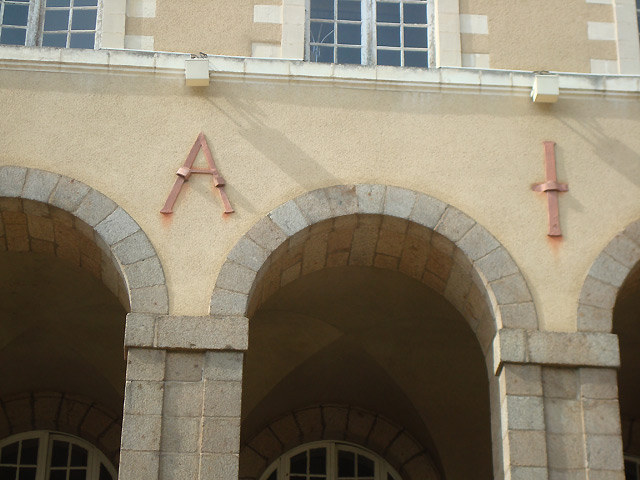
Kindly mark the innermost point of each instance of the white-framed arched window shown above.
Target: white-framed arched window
(45, 455)
(631, 467)
(330, 460)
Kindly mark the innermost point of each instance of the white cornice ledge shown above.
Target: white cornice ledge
(164, 64)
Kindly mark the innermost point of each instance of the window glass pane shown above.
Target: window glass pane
(273, 476)
(8, 473)
(105, 475)
(294, 477)
(346, 464)
(15, 15)
(415, 13)
(321, 54)
(388, 36)
(82, 40)
(58, 475)
(29, 454)
(322, 9)
(27, 474)
(349, 55)
(298, 464)
(318, 461)
(321, 32)
(10, 452)
(57, 3)
(388, 12)
(85, 3)
(415, 37)
(13, 36)
(54, 40)
(416, 59)
(56, 20)
(365, 467)
(630, 472)
(83, 20)
(59, 454)
(78, 475)
(348, 34)
(78, 456)
(349, 10)
(388, 57)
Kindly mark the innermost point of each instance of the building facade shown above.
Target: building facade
(403, 246)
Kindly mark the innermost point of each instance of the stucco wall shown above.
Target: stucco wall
(212, 27)
(567, 36)
(126, 137)
(539, 35)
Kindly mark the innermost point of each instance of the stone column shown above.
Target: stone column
(583, 423)
(524, 443)
(182, 398)
(560, 417)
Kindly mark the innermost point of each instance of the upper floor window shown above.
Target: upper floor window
(49, 23)
(371, 32)
(43, 455)
(638, 12)
(330, 461)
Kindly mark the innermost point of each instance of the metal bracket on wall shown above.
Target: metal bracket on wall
(187, 169)
(551, 187)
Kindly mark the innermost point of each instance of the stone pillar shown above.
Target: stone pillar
(524, 443)
(221, 416)
(559, 408)
(182, 397)
(142, 414)
(583, 423)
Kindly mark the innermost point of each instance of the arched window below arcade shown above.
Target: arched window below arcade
(44, 455)
(330, 461)
(631, 468)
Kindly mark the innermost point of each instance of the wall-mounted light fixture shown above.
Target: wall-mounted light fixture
(196, 70)
(546, 88)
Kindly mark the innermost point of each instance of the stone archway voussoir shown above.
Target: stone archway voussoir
(484, 254)
(124, 238)
(267, 235)
(12, 181)
(39, 185)
(289, 218)
(454, 224)
(605, 278)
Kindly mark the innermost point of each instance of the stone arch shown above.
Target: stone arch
(340, 423)
(605, 278)
(62, 412)
(483, 282)
(113, 230)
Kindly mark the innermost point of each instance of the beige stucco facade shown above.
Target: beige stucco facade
(386, 278)
(275, 131)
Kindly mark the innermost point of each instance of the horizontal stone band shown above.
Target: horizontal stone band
(579, 349)
(186, 333)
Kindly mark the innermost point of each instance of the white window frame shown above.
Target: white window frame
(282, 464)
(45, 445)
(35, 24)
(635, 461)
(368, 40)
